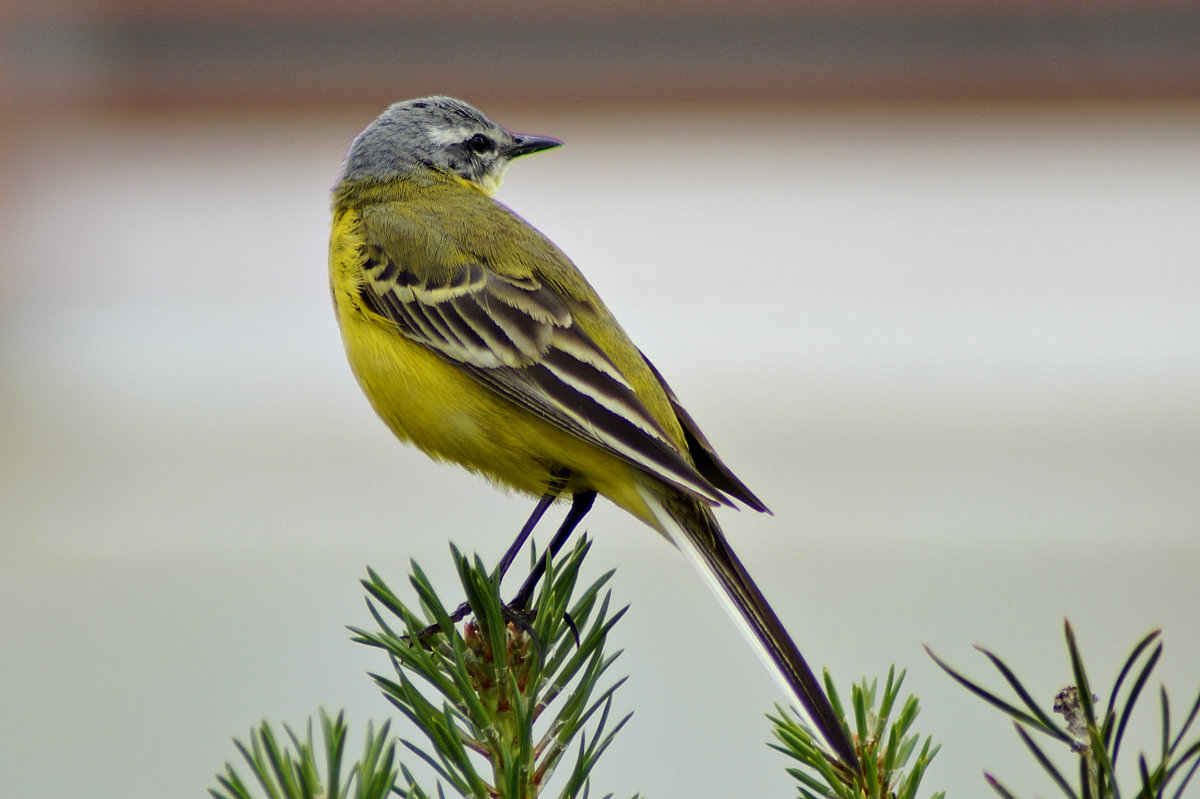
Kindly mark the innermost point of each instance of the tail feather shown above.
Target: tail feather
(694, 529)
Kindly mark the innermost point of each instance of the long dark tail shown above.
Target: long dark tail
(694, 529)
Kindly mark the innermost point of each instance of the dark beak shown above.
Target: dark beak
(523, 145)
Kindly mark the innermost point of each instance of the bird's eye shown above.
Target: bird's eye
(479, 144)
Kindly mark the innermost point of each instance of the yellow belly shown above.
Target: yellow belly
(441, 409)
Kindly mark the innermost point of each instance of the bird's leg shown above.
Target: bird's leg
(558, 481)
(518, 611)
(581, 503)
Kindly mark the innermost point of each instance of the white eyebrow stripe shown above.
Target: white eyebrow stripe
(444, 136)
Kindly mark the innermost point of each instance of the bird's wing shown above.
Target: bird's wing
(518, 337)
(704, 456)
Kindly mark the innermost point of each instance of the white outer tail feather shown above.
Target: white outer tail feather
(684, 542)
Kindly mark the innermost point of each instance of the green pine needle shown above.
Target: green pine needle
(1093, 739)
(291, 771)
(884, 745)
(502, 699)
(514, 691)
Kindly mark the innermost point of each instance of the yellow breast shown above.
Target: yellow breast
(442, 410)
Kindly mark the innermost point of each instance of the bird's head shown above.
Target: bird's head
(438, 133)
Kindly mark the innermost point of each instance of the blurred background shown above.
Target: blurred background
(926, 272)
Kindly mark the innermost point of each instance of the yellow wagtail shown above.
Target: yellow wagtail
(477, 340)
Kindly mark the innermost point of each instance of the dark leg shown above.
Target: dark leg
(557, 482)
(581, 503)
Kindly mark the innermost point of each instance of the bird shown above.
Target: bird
(476, 339)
